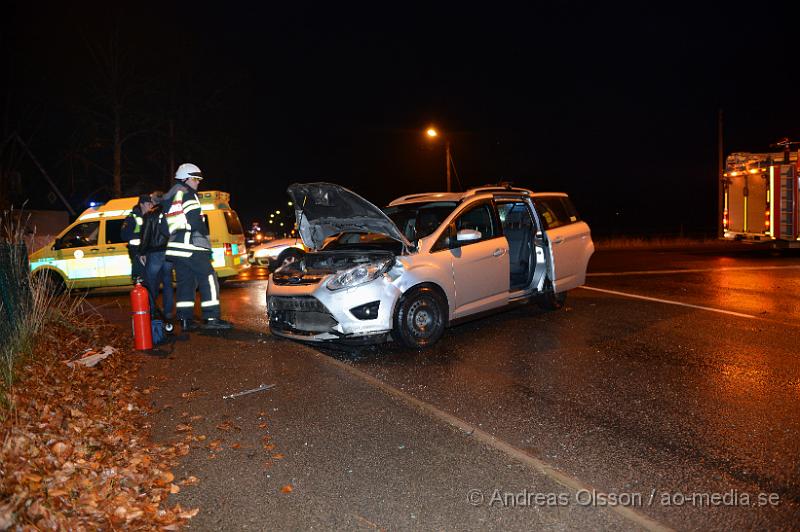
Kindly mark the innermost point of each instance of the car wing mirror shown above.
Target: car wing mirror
(468, 235)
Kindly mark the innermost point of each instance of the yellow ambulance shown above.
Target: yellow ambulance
(90, 253)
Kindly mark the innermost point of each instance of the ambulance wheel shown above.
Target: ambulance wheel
(51, 280)
(288, 256)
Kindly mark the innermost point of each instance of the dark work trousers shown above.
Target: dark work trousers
(157, 271)
(137, 269)
(192, 273)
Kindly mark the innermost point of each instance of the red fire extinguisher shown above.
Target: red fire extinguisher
(140, 316)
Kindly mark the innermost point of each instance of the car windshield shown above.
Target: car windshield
(418, 220)
(362, 241)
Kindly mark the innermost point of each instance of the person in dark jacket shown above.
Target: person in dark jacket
(157, 270)
(131, 233)
(189, 249)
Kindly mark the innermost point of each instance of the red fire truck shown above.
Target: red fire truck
(760, 198)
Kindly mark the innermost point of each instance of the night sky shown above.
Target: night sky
(615, 104)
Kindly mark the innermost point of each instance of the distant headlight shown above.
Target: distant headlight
(358, 275)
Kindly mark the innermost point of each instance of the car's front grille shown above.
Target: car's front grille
(299, 314)
(296, 278)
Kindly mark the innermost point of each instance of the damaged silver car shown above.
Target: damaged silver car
(425, 262)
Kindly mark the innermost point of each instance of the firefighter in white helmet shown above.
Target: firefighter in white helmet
(189, 249)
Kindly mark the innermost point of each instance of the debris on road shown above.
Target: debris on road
(90, 357)
(246, 392)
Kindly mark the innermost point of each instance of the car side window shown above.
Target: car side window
(114, 231)
(81, 235)
(479, 218)
(552, 212)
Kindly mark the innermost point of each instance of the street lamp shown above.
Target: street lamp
(432, 133)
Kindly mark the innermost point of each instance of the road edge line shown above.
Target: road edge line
(692, 270)
(496, 443)
(670, 302)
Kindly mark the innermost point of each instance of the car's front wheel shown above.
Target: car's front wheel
(420, 318)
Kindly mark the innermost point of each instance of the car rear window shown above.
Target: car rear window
(555, 211)
(232, 221)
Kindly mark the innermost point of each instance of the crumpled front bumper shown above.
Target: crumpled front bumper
(314, 313)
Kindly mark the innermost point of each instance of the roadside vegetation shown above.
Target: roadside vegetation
(655, 242)
(75, 452)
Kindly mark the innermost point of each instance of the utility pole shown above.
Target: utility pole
(447, 163)
(720, 175)
(171, 153)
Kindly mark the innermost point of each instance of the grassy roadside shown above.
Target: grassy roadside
(75, 451)
(668, 242)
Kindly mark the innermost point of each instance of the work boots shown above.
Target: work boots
(217, 324)
(189, 325)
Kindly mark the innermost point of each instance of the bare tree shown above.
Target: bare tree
(117, 89)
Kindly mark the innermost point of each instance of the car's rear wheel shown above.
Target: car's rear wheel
(288, 256)
(420, 318)
(552, 301)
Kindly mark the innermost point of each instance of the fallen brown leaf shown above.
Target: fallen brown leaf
(287, 488)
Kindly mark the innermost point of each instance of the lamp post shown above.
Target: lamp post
(448, 160)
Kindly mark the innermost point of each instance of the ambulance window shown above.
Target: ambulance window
(114, 231)
(232, 221)
(81, 235)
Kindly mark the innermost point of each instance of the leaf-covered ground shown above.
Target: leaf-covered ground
(75, 451)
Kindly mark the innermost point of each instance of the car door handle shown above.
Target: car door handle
(498, 252)
(558, 240)
(95, 249)
(110, 249)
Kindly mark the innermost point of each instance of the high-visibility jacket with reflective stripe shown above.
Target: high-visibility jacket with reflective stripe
(132, 229)
(187, 231)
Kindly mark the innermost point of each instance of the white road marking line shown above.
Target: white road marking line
(670, 302)
(692, 270)
(496, 443)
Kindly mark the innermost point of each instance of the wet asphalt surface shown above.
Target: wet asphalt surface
(689, 417)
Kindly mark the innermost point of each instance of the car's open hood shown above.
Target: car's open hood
(325, 209)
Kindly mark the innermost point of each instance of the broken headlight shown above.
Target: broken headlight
(358, 275)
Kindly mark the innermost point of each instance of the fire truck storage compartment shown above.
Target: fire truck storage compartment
(755, 187)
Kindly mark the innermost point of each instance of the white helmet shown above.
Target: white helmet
(188, 171)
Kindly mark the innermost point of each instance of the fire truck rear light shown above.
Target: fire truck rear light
(228, 250)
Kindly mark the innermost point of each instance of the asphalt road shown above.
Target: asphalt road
(669, 386)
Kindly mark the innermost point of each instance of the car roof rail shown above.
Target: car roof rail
(503, 186)
(413, 196)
